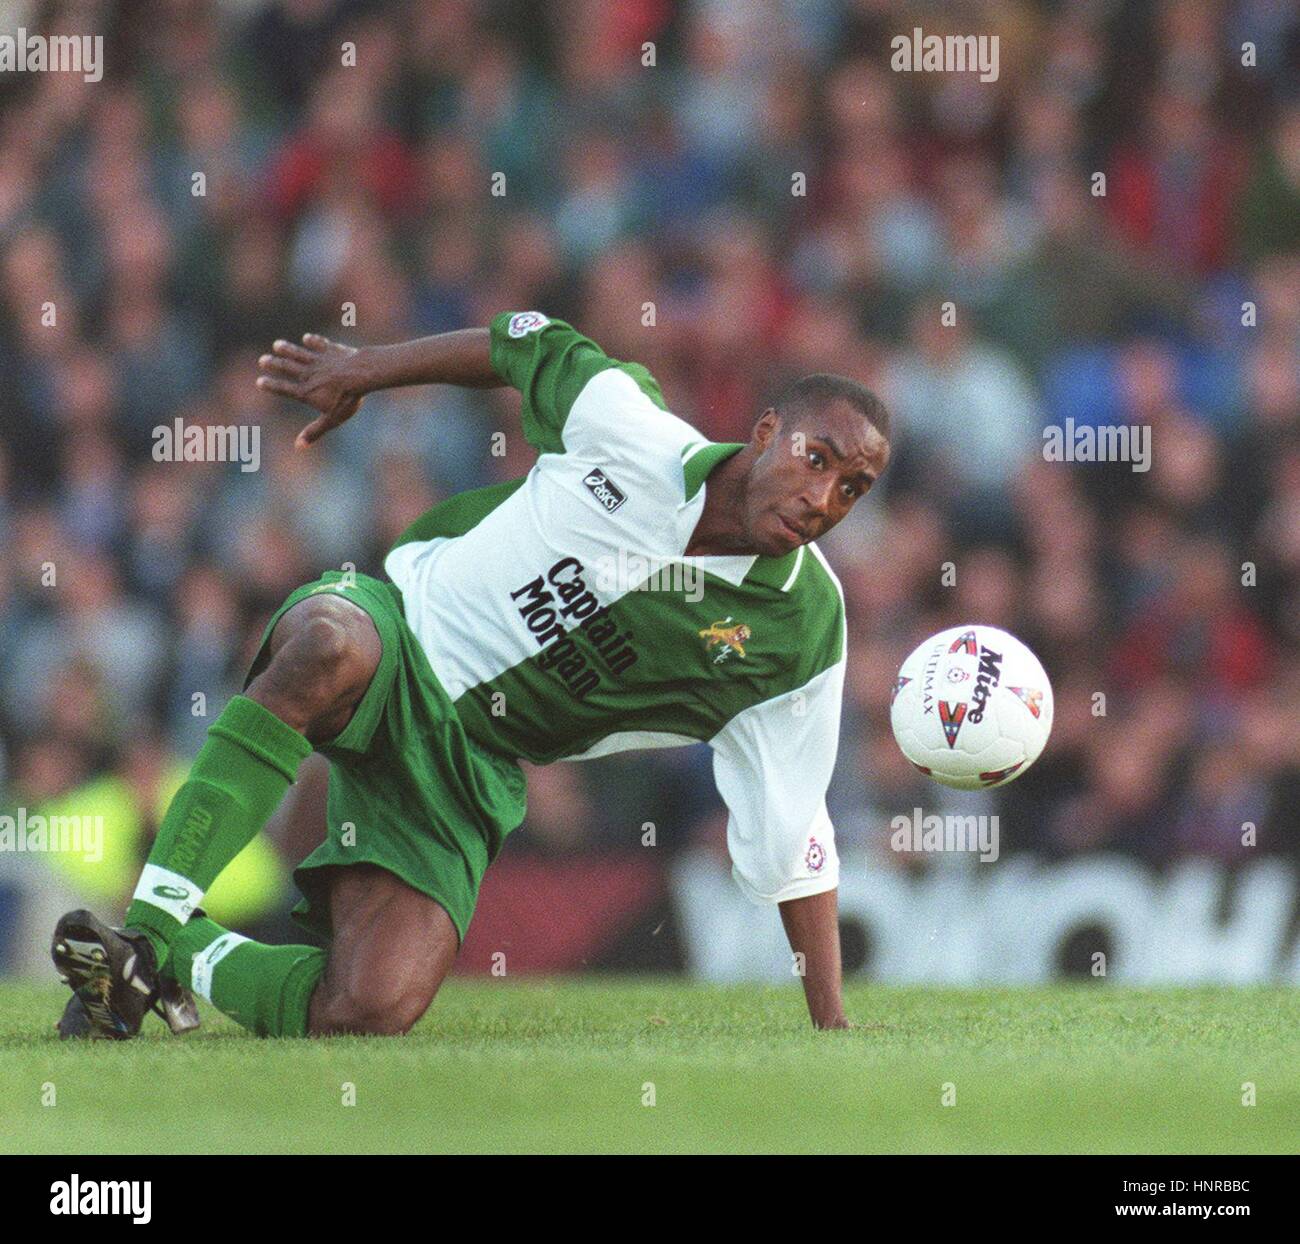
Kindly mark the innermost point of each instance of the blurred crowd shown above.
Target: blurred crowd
(734, 194)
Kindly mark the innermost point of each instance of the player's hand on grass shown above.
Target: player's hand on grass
(833, 1022)
(321, 374)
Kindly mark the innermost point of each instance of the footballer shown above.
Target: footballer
(495, 640)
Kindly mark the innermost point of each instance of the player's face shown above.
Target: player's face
(809, 475)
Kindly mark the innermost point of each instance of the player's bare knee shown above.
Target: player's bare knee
(326, 651)
(399, 1016)
(332, 652)
(373, 1012)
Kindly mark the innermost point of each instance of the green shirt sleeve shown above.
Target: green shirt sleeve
(550, 363)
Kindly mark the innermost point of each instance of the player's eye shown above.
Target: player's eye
(816, 458)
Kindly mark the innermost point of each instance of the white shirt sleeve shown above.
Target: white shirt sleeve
(772, 764)
(613, 422)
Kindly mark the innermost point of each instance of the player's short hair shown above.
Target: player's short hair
(814, 392)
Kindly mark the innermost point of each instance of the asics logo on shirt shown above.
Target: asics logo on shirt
(603, 489)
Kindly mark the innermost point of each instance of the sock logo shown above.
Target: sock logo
(191, 839)
(171, 891)
(205, 962)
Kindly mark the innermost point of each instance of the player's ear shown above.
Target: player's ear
(765, 430)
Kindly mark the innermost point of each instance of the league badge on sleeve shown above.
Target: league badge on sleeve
(525, 322)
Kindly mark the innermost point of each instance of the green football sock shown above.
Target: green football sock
(239, 777)
(267, 989)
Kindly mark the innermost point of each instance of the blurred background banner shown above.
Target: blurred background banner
(1105, 235)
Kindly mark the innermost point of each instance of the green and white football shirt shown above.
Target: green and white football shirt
(547, 610)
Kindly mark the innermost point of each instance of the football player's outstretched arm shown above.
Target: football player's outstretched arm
(334, 379)
(772, 763)
(813, 927)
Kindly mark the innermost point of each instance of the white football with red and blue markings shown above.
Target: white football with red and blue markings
(972, 707)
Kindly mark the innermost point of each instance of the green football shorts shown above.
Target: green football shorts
(408, 789)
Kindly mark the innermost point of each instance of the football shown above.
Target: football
(972, 707)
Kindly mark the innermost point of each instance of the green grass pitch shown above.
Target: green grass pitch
(536, 1066)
